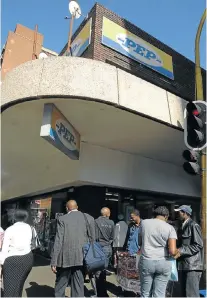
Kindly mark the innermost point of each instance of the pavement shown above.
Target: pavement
(41, 280)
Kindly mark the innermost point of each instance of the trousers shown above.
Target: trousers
(154, 276)
(72, 276)
(100, 276)
(189, 281)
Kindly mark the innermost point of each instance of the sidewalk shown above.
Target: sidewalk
(41, 280)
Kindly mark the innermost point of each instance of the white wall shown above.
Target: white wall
(113, 168)
(100, 81)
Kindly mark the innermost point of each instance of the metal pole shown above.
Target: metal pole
(70, 33)
(34, 54)
(199, 96)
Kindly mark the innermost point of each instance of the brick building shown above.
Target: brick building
(182, 85)
(19, 48)
(123, 93)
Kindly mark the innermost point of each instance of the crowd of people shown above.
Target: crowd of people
(154, 240)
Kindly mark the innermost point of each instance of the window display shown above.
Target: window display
(40, 212)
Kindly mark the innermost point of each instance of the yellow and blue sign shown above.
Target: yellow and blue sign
(132, 46)
(57, 130)
(82, 41)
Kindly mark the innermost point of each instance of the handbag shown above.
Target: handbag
(93, 255)
(174, 271)
(35, 242)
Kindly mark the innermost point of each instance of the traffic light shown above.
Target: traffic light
(191, 166)
(195, 125)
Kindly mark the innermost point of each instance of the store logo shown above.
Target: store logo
(137, 48)
(76, 47)
(66, 134)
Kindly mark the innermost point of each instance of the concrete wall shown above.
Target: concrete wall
(92, 80)
(118, 169)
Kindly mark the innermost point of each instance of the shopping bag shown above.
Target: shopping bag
(174, 271)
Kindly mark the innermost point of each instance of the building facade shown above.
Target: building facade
(102, 124)
(20, 47)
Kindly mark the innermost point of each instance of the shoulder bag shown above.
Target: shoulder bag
(94, 257)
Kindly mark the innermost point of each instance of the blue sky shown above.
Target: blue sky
(174, 22)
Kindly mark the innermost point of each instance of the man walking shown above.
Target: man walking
(190, 253)
(104, 228)
(67, 256)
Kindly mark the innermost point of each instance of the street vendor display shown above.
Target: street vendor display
(127, 262)
(127, 272)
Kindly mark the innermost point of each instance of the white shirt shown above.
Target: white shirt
(72, 211)
(185, 222)
(17, 241)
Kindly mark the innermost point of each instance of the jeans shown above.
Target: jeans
(154, 276)
(190, 281)
(100, 276)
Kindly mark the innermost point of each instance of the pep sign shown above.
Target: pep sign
(130, 45)
(82, 41)
(59, 132)
(139, 49)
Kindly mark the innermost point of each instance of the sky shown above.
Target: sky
(173, 22)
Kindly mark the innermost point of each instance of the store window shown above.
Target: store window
(7, 214)
(40, 210)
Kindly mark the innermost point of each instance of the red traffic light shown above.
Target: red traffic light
(193, 109)
(195, 125)
(195, 112)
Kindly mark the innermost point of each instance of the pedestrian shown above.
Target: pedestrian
(190, 253)
(16, 255)
(132, 244)
(104, 228)
(67, 255)
(158, 243)
(120, 232)
(1, 243)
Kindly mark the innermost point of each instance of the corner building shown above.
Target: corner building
(102, 125)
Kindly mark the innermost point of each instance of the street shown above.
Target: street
(40, 282)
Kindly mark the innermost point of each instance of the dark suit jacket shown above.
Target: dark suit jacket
(70, 237)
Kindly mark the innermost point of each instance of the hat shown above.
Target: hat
(120, 217)
(184, 208)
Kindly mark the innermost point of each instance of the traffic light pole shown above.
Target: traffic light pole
(200, 97)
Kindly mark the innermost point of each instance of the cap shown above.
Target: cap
(184, 208)
(120, 217)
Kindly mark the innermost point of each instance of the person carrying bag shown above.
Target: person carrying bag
(94, 257)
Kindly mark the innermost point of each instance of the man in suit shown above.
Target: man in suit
(67, 256)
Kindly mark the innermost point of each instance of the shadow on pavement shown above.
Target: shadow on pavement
(112, 288)
(88, 293)
(117, 291)
(39, 290)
